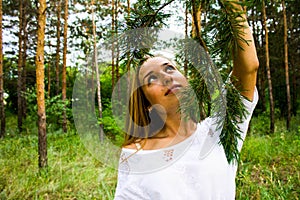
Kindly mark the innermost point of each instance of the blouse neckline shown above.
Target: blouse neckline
(184, 142)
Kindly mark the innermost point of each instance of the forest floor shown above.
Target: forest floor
(269, 167)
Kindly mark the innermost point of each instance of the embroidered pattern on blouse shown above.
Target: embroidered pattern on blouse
(210, 133)
(124, 166)
(168, 155)
(193, 181)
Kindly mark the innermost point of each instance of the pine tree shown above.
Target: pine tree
(20, 65)
(39, 61)
(2, 109)
(64, 68)
(57, 57)
(286, 66)
(95, 66)
(270, 87)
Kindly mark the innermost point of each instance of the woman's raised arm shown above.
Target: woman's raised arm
(245, 61)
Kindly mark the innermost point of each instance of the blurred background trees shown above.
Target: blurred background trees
(70, 36)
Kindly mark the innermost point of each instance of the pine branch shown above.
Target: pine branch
(235, 113)
(228, 34)
(229, 29)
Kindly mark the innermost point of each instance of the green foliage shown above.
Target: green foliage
(260, 124)
(234, 108)
(149, 15)
(11, 124)
(54, 110)
(111, 129)
(235, 113)
(10, 81)
(228, 30)
(224, 26)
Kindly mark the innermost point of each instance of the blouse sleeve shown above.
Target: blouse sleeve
(212, 137)
(249, 105)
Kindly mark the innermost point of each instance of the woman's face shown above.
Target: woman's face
(160, 81)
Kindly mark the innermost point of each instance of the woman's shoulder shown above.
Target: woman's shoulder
(130, 146)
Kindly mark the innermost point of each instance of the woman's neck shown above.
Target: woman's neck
(177, 125)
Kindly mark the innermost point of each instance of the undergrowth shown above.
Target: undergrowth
(269, 167)
(72, 172)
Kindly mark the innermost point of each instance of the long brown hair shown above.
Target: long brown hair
(141, 123)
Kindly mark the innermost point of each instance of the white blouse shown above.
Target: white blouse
(193, 169)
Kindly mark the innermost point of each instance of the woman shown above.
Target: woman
(160, 161)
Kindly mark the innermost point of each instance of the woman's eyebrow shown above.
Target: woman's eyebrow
(148, 74)
(168, 64)
(164, 64)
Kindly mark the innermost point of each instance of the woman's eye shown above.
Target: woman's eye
(152, 79)
(169, 68)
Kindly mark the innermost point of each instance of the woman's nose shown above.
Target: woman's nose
(167, 80)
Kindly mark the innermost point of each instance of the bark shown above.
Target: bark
(128, 10)
(20, 67)
(95, 62)
(196, 23)
(49, 80)
(2, 111)
(185, 66)
(57, 59)
(113, 43)
(272, 112)
(196, 34)
(196, 20)
(128, 7)
(118, 50)
(64, 69)
(294, 87)
(39, 62)
(286, 66)
(294, 72)
(24, 58)
(262, 80)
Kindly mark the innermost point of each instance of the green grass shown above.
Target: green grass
(269, 167)
(72, 173)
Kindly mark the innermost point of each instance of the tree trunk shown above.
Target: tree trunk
(2, 111)
(113, 43)
(294, 87)
(128, 7)
(118, 50)
(272, 112)
(196, 34)
(95, 63)
(196, 20)
(24, 57)
(196, 23)
(64, 69)
(39, 62)
(262, 79)
(258, 41)
(49, 79)
(58, 13)
(128, 10)
(20, 67)
(186, 24)
(286, 65)
(294, 74)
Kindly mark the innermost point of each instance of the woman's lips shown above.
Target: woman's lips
(173, 89)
